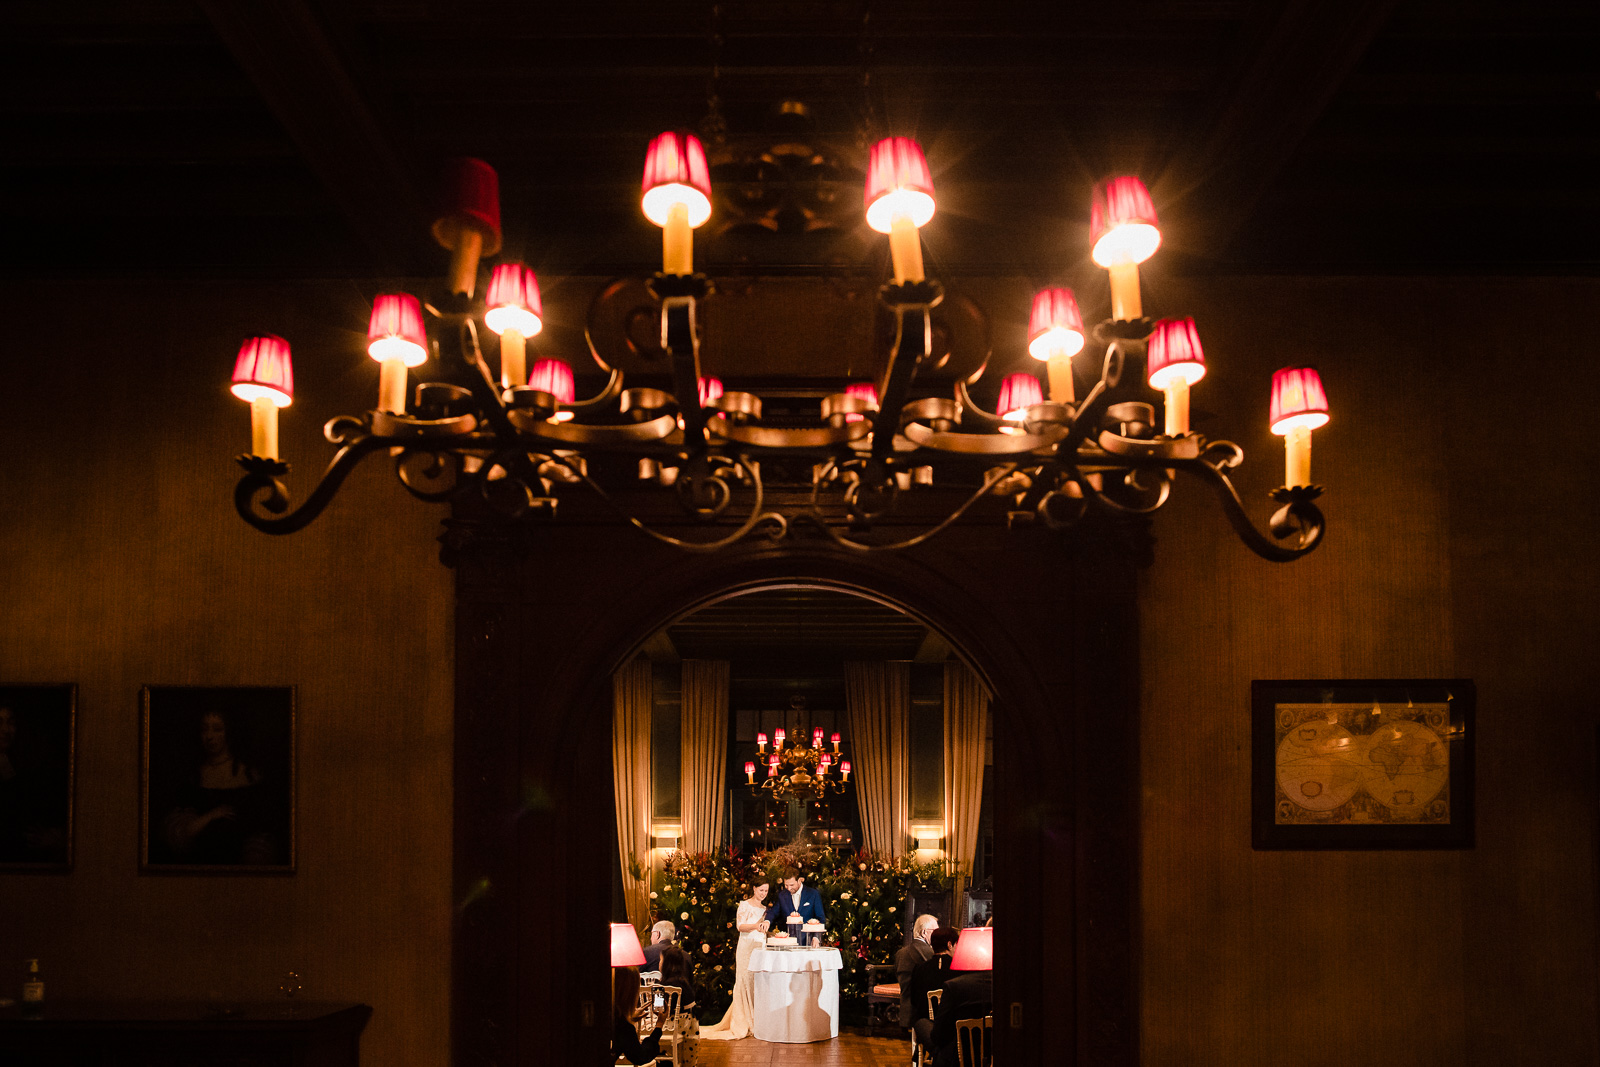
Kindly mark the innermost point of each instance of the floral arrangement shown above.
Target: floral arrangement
(864, 894)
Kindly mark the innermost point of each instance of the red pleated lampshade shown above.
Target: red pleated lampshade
(898, 180)
(554, 377)
(263, 369)
(395, 329)
(1017, 393)
(1122, 222)
(514, 301)
(1298, 399)
(1056, 325)
(675, 172)
(625, 948)
(710, 389)
(866, 391)
(975, 950)
(469, 196)
(1174, 352)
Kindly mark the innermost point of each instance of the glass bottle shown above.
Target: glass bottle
(32, 989)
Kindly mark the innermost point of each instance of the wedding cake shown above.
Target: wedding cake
(780, 941)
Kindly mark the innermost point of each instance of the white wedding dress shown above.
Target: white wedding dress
(739, 1019)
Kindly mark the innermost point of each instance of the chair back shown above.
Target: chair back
(972, 1041)
(658, 1006)
(670, 996)
(934, 996)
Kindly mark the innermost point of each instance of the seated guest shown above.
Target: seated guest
(662, 935)
(967, 995)
(930, 974)
(675, 970)
(906, 960)
(625, 1040)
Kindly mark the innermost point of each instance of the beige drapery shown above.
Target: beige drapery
(632, 701)
(966, 729)
(878, 702)
(704, 773)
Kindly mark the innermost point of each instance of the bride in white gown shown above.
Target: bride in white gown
(752, 922)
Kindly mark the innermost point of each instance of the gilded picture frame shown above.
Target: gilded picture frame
(38, 777)
(1362, 763)
(217, 779)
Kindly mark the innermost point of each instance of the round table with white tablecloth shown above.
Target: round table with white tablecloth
(796, 994)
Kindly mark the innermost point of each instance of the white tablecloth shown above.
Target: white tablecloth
(796, 993)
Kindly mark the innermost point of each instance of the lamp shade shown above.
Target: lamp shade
(263, 369)
(554, 377)
(625, 948)
(866, 391)
(1298, 400)
(975, 950)
(1019, 392)
(469, 197)
(1122, 222)
(898, 182)
(1056, 325)
(710, 389)
(514, 301)
(1174, 353)
(675, 172)
(749, 767)
(395, 330)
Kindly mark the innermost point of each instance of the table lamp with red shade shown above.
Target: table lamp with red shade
(625, 948)
(975, 950)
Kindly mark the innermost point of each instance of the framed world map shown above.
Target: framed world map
(1362, 763)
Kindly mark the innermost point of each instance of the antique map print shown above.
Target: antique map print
(1362, 764)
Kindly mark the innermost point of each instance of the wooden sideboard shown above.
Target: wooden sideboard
(179, 1034)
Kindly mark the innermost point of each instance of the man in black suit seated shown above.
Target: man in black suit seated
(906, 960)
(929, 975)
(967, 995)
(662, 937)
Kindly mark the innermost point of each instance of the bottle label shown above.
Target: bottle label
(33, 992)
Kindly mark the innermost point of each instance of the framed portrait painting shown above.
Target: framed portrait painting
(218, 782)
(1363, 763)
(38, 732)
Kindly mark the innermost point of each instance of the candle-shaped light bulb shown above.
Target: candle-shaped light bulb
(1299, 405)
(1124, 228)
(761, 742)
(779, 736)
(395, 338)
(836, 739)
(263, 377)
(516, 314)
(469, 219)
(816, 737)
(772, 767)
(844, 770)
(899, 201)
(750, 772)
(1055, 335)
(1175, 362)
(677, 196)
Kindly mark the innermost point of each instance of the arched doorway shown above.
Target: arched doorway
(537, 645)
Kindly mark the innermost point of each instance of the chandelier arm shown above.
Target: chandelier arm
(479, 379)
(594, 352)
(981, 444)
(1093, 408)
(262, 477)
(912, 341)
(1299, 513)
(756, 517)
(1106, 500)
(969, 408)
(815, 517)
(613, 388)
(440, 461)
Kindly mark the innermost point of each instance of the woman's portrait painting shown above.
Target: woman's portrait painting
(218, 779)
(36, 766)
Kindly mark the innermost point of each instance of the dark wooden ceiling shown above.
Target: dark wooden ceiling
(182, 138)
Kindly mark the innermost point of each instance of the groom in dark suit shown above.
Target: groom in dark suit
(795, 896)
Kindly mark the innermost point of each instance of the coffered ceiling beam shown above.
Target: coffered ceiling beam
(283, 50)
(1304, 57)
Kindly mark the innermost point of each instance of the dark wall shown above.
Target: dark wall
(122, 563)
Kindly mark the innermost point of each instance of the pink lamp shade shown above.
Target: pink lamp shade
(779, 735)
(1298, 400)
(554, 377)
(675, 172)
(469, 198)
(711, 389)
(844, 768)
(866, 391)
(1056, 325)
(1018, 392)
(625, 948)
(975, 950)
(1174, 352)
(1122, 222)
(898, 182)
(395, 330)
(749, 768)
(514, 301)
(827, 759)
(836, 739)
(761, 739)
(816, 737)
(263, 369)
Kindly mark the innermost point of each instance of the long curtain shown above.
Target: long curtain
(878, 702)
(705, 753)
(966, 728)
(632, 701)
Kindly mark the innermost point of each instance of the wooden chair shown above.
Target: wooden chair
(924, 1054)
(972, 1042)
(665, 1015)
(883, 999)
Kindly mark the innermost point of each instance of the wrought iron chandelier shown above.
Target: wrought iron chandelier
(520, 439)
(797, 772)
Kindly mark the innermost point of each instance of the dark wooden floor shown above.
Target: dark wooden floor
(846, 1050)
